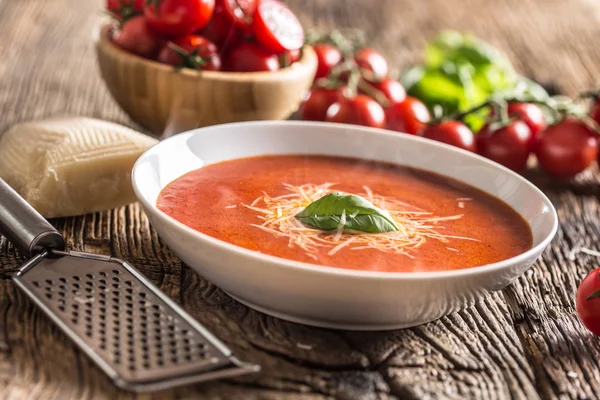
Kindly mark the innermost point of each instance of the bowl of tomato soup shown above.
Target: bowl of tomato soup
(341, 226)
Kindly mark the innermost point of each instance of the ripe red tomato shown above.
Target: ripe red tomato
(567, 148)
(317, 102)
(135, 36)
(454, 133)
(178, 17)
(276, 27)
(241, 12)
(508, 146)
(532, 115)
(587, 301)
(391, 89)
(359, 110)
(529, 113)
(373, 64)
(250, 57)
(328, 57)
(124, 9)
(200, 53)
(220, 29)
(410, 116)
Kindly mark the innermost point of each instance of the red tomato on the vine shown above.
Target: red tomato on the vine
(587, 301)
(508, 145)
(567, 148)
(393, 90)
(328, 57)
(372, 62)
(125, 9)
(191, 51)
(317, 102)
(410, 116)
(135, 36)
(276, 27)
(178, 17)
(454, 133)
(250, 57)
(358, 110)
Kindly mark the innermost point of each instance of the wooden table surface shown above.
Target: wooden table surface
(522, 342)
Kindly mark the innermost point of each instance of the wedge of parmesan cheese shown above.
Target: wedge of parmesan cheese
(71, 166)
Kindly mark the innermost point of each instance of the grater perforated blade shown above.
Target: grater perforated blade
(140, 338)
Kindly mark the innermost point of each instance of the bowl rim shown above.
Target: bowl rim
(343, 272)
(306, 62)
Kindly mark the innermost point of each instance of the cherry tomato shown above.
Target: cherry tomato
(250, 57)
(318, 101)
(241, 12)
(199, 53)
(178, 17)
(124, 9)
(410, 116)
(454, 133)
(328, 57)
(359, 110)
(135, 36)
(587, 301)
(373, 64)
(508, 146)
(567, 148)
(276, 27)
(391, 89)
(220, 29)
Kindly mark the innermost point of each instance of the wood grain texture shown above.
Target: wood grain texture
(524, 342)
(164, 100)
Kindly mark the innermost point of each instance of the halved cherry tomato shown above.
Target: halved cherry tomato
(373, 64)
(587, 301)
(410, 116)
(241, 12)
(250, 57)
(277, 28)
(178, 17)
(359, 110)
(567, 148)
(125, 9)
(328, 57)
(454, 133)
(317, 102)
(391, 89)
(220, 29)
(198, 53)
(135, 36)
(508, 146)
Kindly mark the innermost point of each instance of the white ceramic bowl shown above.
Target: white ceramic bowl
(325, 296)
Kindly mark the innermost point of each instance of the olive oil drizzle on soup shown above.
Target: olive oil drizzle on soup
(252, 202)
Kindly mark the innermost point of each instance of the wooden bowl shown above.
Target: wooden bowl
(168, 101)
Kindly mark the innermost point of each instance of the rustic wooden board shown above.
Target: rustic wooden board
(522, 342)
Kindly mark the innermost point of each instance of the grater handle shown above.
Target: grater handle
(24, 227)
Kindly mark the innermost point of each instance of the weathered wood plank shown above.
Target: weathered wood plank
(523, 342)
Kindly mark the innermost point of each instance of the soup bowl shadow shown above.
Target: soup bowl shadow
(325, 296)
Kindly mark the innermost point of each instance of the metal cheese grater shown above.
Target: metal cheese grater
(140, 338)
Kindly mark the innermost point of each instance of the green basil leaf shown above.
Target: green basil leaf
(357, 213)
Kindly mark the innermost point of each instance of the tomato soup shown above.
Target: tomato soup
(253, 202)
